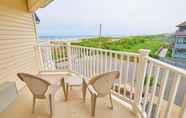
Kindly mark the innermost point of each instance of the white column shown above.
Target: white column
(141, 72)
(38, 58)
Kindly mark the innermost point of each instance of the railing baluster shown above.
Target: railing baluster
(61, 53)
(153, 91)
(162, 91)
(63, 56)
(106, 61)
(50, 61)
(147, 85)
(89, 63)
(76, 59)
(121, 73)
(73, 58)
(86, 62)
(111, 62)
(74, 50)
(69, 56)
(133, 78)
(79, 60)
(66, 55)
(56, 58)
(172, 96)
(126, 75)
(60, 58)
(81, 65)
(101, 62)
(115, 61)
(82, 62)
(97, 62)
(94, 62)
(44, 57)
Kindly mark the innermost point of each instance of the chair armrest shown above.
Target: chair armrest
(92, 90)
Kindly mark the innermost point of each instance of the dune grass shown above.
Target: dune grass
(130, 44)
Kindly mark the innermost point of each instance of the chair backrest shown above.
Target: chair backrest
(103, 82)
(36, 85)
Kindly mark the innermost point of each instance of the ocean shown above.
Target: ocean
(64, 38)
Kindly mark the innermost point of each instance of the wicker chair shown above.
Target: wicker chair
(100, 86)
(40, 89)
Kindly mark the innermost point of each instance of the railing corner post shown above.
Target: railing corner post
(141, 72)
(69, 56)
(39, 57)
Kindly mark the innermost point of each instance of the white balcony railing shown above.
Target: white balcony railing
(145, 83)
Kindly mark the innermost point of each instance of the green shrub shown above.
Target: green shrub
(169, 53)
(151, 80)
(130, 44)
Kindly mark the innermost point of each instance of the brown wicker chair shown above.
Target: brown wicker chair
(40, 89)
(100, 86)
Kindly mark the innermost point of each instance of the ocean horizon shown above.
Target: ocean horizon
(44, 38)
(64, 38)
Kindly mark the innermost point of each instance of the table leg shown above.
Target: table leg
(63, 86)
(67, 90)
(84, 89)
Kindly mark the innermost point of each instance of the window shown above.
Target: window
(184, 40)
(179, 40)
(180, 51)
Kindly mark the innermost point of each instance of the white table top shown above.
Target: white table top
(55, 77)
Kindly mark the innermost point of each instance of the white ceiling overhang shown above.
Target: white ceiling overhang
(34, 5)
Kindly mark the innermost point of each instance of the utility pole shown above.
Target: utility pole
(100, 30)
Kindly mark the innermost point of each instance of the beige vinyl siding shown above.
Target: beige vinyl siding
(17, 41)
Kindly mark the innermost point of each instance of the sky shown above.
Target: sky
(118, 17)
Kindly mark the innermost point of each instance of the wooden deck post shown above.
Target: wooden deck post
(69, 56)
(141, 71)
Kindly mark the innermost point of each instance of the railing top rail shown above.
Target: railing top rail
(47, 45)
(106, 50)
(169, 66)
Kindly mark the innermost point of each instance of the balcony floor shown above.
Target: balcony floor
(73, 108)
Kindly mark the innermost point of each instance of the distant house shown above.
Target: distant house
(179, 50)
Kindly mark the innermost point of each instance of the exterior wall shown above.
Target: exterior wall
(179, 50)
(17, 41)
